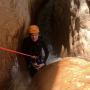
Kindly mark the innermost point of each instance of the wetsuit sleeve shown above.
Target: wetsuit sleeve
(45, 51)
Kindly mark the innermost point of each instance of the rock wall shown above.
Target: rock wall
(66, 24)
(70, 73)
(80, 28)
(14, 20)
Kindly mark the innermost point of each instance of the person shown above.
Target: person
(33, 45)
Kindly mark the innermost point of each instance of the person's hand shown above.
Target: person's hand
(34, 57)
(40, 66)
(35, 65)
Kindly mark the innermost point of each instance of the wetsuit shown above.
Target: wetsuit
(34, 49)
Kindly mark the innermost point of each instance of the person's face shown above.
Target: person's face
(35, 36)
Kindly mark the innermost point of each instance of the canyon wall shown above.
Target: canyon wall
(66, 24)
(14, 20)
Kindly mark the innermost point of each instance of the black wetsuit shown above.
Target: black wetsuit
(34, 49)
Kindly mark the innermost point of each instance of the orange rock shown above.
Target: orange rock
(69, 74)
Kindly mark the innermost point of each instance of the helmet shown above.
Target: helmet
(33, 29)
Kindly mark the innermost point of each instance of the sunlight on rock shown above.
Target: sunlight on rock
(69, 73)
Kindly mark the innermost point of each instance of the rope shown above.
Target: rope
(14, 51)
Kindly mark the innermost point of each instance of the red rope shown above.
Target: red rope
(14, 51)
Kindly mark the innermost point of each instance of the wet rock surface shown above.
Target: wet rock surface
(70, 73)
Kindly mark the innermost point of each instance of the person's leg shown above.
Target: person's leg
(32, 71)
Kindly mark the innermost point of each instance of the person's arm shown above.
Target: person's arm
(46, 52)
(45, 48)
